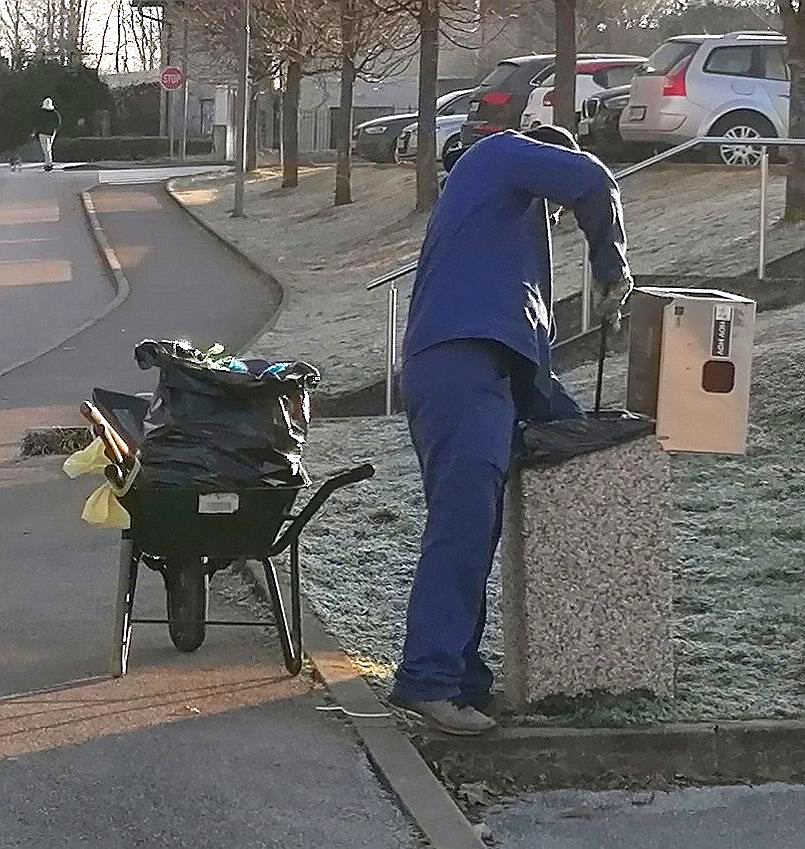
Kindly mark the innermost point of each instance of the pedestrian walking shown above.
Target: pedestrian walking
(476, 359)
(48, 123)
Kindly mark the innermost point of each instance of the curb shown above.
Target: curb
(114, 269)
(390, 751)
(269, 279)
(731, 752)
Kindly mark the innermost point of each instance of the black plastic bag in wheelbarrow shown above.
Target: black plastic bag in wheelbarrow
(553, 442)
(223, 422)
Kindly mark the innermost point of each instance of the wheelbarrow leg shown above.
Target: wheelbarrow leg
(124, 605)
(290, 635)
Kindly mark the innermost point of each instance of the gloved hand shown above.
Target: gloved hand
(608, 298)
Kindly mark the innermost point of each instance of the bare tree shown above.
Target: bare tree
(458, 22)
(564, 107)
(366, 43)
(12, 27)
(793, 15)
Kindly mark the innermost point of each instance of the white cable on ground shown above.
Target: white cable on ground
(352, 713)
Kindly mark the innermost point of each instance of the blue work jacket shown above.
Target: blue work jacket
(485, 267)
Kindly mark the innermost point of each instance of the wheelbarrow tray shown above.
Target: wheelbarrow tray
(175, 522)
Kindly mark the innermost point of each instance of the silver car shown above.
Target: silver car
(734, 85)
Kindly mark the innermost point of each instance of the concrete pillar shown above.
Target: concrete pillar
(587, 576)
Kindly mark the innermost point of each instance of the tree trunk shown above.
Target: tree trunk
(290, 126)
(795, 184)
(343, 168)
(251, 134)
(427, 188)
(564, 98)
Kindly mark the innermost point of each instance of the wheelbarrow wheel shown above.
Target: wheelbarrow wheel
(187, 586)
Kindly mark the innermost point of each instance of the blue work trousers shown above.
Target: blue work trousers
(462, 399)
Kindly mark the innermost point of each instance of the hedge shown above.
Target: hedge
(76, 90)
(121, 148)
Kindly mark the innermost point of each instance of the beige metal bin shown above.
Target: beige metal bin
(690, 360)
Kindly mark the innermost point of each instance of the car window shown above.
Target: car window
(459, 106)
(774, 62)
(499, 75)
(734, 61)
(616, 76)
(667, 55)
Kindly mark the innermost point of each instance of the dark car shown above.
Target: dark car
(376, 140)
(499, 100)
(600, 114)
(599, 130)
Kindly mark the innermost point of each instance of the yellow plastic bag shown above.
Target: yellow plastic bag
(102, 507)
(90, 460)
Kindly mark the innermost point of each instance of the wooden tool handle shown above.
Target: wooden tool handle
(112, 439)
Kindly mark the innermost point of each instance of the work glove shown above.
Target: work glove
(608, 298)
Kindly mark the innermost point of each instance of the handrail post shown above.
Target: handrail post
(391, 346)
(764, 185)
(586, 288)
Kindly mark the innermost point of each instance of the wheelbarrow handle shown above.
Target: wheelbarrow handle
(360, 473)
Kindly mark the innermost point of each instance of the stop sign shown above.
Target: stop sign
(171, 78)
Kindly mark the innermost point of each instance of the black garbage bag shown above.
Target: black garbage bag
(551, 443)
(223, 421)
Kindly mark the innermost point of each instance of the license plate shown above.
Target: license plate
(584, 129)
(637, 113)
(475, 106)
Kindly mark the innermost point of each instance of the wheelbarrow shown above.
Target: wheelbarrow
(187, 534)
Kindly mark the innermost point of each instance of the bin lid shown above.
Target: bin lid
(693, 294)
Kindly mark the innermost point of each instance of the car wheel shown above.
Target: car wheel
(743, 126)
(453, 143)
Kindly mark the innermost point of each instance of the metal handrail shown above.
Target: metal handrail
(764, 143)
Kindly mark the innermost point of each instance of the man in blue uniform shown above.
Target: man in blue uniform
(476, 358)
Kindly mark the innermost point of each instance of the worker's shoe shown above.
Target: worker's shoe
(447, 716)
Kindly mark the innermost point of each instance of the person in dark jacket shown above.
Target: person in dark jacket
(476, 359)
(48, 123)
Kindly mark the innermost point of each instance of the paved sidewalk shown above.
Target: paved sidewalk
(220, 749)
(216, 750)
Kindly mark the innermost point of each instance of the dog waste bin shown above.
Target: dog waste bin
(690, 359)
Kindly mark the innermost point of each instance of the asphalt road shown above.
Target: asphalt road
(770, 816)
(220, 748)
(183, 284)
(50, 277)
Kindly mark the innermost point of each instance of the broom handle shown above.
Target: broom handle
(602, 353)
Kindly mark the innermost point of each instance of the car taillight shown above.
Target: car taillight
(548, 99)
(674, 83)
(496, 98)
(489, 129)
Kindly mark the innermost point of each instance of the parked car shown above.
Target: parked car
(376, 140)
(734, 85)
(591, 76)
(448, 136)
(600, 113)
(499, 100)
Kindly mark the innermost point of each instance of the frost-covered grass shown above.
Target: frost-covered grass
(740, 532)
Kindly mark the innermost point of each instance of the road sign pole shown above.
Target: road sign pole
(170, 115)
(185, 84)
(241, 111)
(171, 122)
